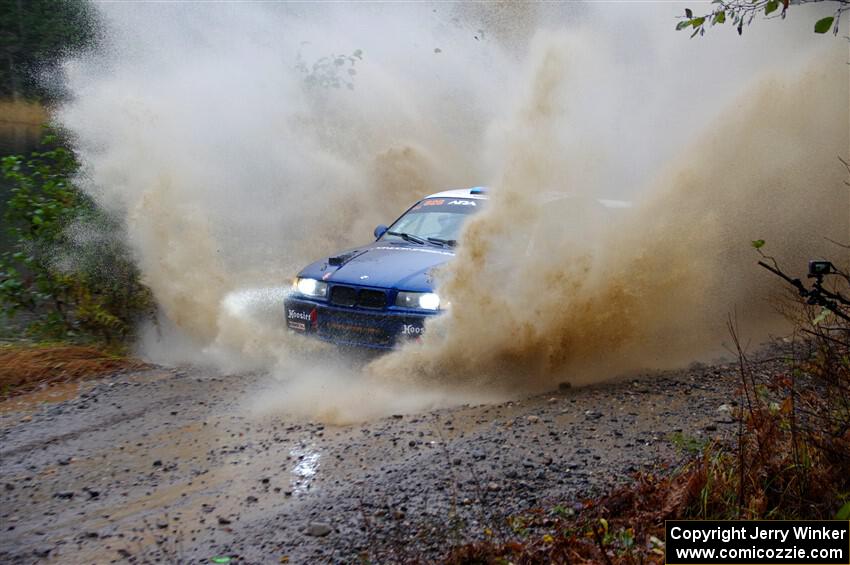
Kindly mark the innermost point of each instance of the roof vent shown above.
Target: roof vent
(478, 190)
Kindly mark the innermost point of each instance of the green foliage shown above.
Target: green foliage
(758, 243)
(823, 25)
(34, 35)
(687, 444)
(771, 7)
(743, 12)
(562, 511)
(65, 274)
(823, 315)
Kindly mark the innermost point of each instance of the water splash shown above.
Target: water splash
(220, 139)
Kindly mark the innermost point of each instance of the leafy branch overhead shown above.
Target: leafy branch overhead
(743, 12)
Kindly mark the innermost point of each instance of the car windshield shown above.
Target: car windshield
(435, 220)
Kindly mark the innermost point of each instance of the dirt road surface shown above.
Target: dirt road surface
(168, 465)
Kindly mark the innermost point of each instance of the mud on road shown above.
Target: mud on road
(169, 465)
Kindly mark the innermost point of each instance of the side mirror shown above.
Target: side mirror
(380, 230)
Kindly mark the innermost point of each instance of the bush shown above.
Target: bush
(66, 275)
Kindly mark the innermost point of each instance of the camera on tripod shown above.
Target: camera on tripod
(820, 268)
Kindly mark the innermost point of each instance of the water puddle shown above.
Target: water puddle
(305, 469)
(57, 392)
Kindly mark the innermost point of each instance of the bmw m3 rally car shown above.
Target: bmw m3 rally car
(378, 294)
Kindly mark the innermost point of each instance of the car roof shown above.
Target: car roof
(480, 193)
(477, 192)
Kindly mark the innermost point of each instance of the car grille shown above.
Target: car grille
(342, 295)
(372, 299)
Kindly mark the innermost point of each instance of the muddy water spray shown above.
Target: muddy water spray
(239, 141)
(655, 288)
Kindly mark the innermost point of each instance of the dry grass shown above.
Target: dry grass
(20, 125)
(627, 526)
(24, 368)
(22, 112)
(790, 461)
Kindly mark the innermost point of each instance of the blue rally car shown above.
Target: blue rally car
(378, 294)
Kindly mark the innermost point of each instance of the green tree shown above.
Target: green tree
(740, 13)
(65, 270)
(34, 35)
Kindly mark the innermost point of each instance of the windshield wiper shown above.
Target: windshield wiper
(443, 242)
(408, 237)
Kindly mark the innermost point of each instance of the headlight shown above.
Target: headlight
(310, 287)
(421, 300)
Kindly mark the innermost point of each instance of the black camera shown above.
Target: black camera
(820, 268)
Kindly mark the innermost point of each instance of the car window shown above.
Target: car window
(441, 218)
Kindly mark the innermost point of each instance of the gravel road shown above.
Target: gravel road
(167, 465)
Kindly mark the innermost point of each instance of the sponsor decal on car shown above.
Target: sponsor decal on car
(410, 329)
(296, 315)
(297, 319)
(445, 204)
(354, 329)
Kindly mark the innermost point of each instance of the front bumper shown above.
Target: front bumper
(358, 327)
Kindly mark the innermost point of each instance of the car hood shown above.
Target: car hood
(383, 264)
